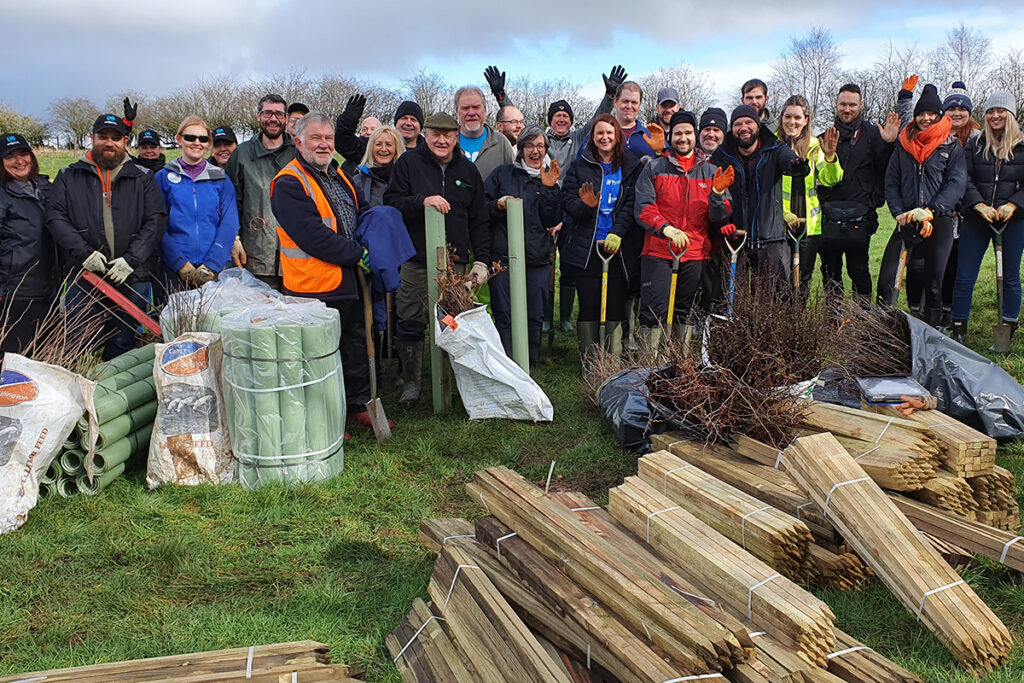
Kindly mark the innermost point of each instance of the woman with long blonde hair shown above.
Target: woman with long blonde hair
(994, 197)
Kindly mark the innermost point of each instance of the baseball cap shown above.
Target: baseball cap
(297, 107)
(10, 143)
(224, 133)
(149, 137)
(668, 95)
(105, 121)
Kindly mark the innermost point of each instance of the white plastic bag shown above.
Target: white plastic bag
(490, 383)
(39, 406)
(190, 444)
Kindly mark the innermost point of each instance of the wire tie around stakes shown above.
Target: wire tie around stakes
(654, 514)
(32, 680)
(675, 443)
(644, 624)
(743, 524)
(708, 601)
(422, 626)
(497, 543)
(884, 429)
(833, 490)
(750, 593)
(454, 579)
(295, 677)
(802, 505)
(550, 472)
(248, 662)
(698, 677)
(588, 656)
(847, 651)
(485, 503)
(584, 509)
(778, 459)
(1006, 547)
(868, 451)
(757, 633)
(448, 538)
(920, 608)
(664, 480)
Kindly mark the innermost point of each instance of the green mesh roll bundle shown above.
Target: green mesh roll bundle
(284, 393)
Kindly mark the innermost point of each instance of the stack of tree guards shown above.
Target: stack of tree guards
(302, 661)
(125, 406)
(552, 587)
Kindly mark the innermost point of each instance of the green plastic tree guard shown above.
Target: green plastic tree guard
(99, 482)
(437, 260)
(517, 283)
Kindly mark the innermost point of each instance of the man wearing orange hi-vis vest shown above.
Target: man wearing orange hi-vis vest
(316, 206)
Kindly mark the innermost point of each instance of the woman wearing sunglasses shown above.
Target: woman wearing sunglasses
(202, 216)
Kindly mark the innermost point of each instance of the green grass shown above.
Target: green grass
(135, 573)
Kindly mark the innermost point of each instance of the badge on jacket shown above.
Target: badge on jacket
(173, 177)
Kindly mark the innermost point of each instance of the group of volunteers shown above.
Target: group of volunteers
(632, 209)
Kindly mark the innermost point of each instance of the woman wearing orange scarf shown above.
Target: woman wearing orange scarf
(925, 180)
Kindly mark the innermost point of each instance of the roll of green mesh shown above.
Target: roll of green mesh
(292, 400)
(123, 449)
(67, 486)
(263, 351)
(53, 472)
(99, 482)
(129, 376)
(72, 462)
(122, 425)
(123, 362)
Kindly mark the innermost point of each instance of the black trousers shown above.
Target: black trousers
(588, 290)
(19, 318)
(849, 240)
(934, 252)
(915, 279)
(810, 246)
(655, 288)
(772, 260)
(714, 277)
(354, 362)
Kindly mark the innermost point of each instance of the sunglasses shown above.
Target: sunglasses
(188, 137)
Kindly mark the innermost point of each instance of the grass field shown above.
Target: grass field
(136, 573)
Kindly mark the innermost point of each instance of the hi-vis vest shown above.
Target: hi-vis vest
(305, 274)
(822, 173)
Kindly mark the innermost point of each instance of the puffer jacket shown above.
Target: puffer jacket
(668, 196)
(202, 217)
(823, 173)
(541, 211)
(757, 197)
(75, 215)
(991, 181)
(28, 255)
(937, 184)
(579, 221)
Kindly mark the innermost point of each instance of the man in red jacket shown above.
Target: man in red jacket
(678, 198)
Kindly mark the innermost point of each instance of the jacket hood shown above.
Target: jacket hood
(211, 172)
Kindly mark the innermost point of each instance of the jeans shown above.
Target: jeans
(975, 234)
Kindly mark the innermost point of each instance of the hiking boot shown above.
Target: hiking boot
(958, 331)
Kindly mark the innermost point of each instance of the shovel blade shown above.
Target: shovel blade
(378, 420)
(1001, 335)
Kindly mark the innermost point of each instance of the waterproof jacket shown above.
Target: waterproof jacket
(202, 217)
(823, 174)
(416, 176)
(371, 182)
(636, 141)
(301, 220)
(27, 253)
(75, 215)
(542, 210)
(991, 181)
(863, 156)
(495, 152)
(251, 168)
(757, 196)
(579, 221)
(668, 196)
(565, 148)
(937, 184)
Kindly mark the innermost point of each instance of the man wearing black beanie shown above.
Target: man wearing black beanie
(712, 129)
(759, 160)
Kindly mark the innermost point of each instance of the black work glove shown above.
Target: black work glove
(130, 112)
(349, 118)
(496, 80)
(612, 82)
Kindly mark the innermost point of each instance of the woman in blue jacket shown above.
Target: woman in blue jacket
(202, 216)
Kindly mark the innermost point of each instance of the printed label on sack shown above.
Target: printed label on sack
(450, 322)
(16, 388)
(184, 358)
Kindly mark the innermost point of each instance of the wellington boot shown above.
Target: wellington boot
(933, 317)
(566, 302)
(631, 325)
(683, 334)
(613, 337)
(506, 340)
(587, 336)
(958, 331)
(648, 341)
(536, 333)
(411, 353)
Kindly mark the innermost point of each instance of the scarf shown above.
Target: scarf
(926, 141)
(848, 131)
(532, 172)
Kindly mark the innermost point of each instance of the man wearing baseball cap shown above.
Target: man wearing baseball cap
(109, 216)
(436, 174)
(667, 104)
(150, 157)
(296, 110)
(224, 143)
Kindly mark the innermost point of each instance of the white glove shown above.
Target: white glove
(119, 271)
(478, 273)
(96, 262)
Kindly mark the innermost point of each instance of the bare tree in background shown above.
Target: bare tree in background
(431, 91)
(1008, 75)
(881, 83)
(696, 92)
(533, 97)
(115, 105)
(965, 55)
(812, 67)
(13, 121)
(73, 116)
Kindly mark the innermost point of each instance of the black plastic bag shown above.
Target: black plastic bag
(623, 402)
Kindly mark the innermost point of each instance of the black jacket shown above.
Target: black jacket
(757, 196)
(372, 182)
(990, 181)
(27, 253)
(579, 221)
(75, 216)
(863, 156)
(416, 176)
(298, 216)
(937, 184)
(542, 210)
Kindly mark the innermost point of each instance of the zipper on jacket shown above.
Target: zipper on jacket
(920, 185)
(195, 207)
(995, 182)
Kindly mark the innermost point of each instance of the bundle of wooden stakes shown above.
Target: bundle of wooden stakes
(303, 661)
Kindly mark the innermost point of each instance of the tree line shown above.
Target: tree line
(812, 65)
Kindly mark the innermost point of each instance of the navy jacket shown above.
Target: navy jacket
(27, 253)
(542, 210)
(937, 184)
(863, 156)
(757, 197)
(383, 234)
(579, 221)
(202, 217)
(990, 181)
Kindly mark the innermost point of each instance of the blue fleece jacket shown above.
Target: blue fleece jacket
(202, 217)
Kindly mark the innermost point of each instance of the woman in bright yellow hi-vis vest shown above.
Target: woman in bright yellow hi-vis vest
(317, 207)
(801, 208)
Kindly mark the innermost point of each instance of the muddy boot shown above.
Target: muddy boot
(1002, 336)
(648, 339)
(587, 336)
(411, 353)
(613, 337)
(958, 331)
(566, 301)
(506, 340)
(536, 334)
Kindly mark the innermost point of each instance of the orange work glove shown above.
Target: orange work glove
(549, 176)
(910, 83)
(926, 229)
(655, 137)
(723, 179)
(587, 195)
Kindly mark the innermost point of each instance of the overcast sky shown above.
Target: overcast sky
(58, 48)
